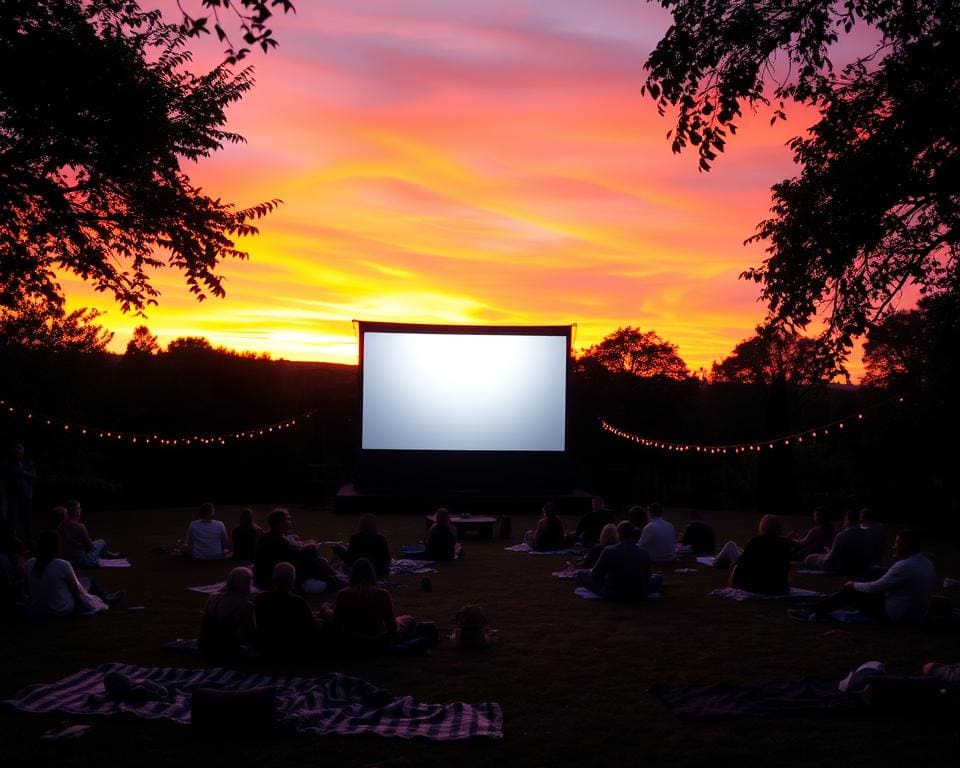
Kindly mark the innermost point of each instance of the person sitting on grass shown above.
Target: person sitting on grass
(368, 543)
(592, 523)
(850, 553)
(78, 549)
(815, 541)
(903, 594)
(227, 626)
(207, 538)
(53, 589)
(363, 617)
(623, 570)
(876, 536)
(949, 673)
(12, 586)
(608, 537)
(245, 537)
(549, 535)
(441, 542)
(285, 626)
(764, 565)
(275, 546)
(658, 536)
(699, 536)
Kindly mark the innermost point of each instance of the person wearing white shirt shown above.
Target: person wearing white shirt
(658, 536)
(207, 538)
(903, 593)
(53, 588)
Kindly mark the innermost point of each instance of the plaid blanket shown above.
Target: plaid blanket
(576, 550)
(794, 697)
(331, 703)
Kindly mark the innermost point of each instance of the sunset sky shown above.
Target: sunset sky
(473, 162)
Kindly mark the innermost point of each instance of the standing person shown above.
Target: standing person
(903, 593)
(659, 537)
(207, 538)
(78, 548)
(369, 543)
(18, 482)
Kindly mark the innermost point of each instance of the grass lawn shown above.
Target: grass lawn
(571, 674)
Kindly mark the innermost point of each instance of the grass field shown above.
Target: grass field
(571, 674)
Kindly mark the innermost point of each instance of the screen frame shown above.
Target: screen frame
(463, 470)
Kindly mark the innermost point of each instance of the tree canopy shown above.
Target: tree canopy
(640, 353)
(875, 207)
(99, 110)
(769, 355)
(34, 325)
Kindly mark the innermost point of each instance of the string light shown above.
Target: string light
(151, 438)
(810, 435)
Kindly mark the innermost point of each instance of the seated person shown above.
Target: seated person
(590, 525)
(12, 586)
(207, 538)
(623, 570)
(850, 552)
(53, 588)
(245, 537)
(363, 617)
(698, 535)
(286, 628)
(549, 534)
(608, 537)
(78, 549)
(368, 543)
(902, 594)
(815, 541)
(876, 536)
(275, 546)
(441, 541)
(227, 626)
(637, 515)
(764, 565)
(658, 536)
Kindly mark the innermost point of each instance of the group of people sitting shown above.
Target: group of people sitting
(278, 623)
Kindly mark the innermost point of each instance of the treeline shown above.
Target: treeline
(889, 460)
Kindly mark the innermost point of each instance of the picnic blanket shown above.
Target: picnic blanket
(708, 560)
(531, 551)
(741, 594)
(766, 699)
(589, 594)
(330, 703)
(113, 562)
(568, 571)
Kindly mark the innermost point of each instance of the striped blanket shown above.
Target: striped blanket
(331, 703)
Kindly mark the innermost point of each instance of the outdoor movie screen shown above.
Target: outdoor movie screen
(464, 390)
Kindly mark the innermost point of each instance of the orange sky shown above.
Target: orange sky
(473, 162)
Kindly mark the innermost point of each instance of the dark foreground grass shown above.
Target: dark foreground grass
(571, 675)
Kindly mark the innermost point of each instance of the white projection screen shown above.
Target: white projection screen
(457, 388)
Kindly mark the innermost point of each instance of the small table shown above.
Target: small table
(481, 524)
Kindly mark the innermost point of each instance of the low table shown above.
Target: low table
(482, 525)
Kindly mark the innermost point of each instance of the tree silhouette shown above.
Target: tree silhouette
(640, 353)
(36, 325)
(142, 342)
(95, 124)
(190, 345)
(771, 354)
(875, 206)
(916, 350)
